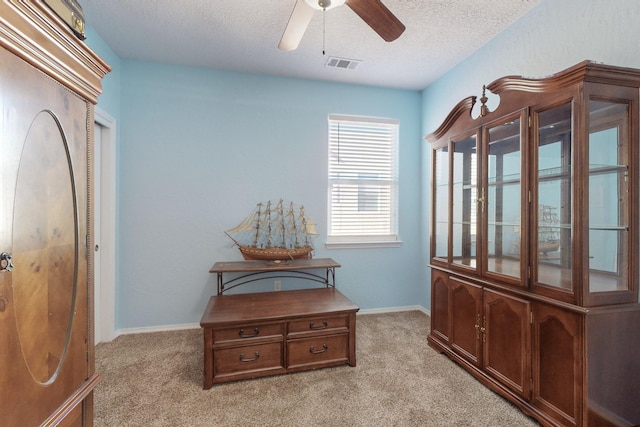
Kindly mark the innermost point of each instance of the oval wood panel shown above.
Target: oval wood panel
(45, 242)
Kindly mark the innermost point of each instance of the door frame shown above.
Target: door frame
(107, 253)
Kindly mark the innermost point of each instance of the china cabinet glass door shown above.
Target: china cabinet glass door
(441, 204)
(608, 196)
(552, 219)
(502, 207)
(464, 202)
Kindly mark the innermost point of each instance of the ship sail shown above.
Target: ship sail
(310, 227)
(248, 224)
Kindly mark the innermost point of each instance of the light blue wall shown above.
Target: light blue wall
(109, 99)
(198, 148)
(555, 35)
(201, 147)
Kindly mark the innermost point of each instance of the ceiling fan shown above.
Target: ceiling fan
(373, 12)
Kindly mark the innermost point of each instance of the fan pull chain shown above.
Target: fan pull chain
(324, 27)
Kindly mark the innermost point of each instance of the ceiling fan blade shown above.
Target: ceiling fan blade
(297, 25)
(378, 17)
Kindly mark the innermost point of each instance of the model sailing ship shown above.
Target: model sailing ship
(274, 233)
(548, 230)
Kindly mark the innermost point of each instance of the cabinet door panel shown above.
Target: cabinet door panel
(507, 338)
(45, 317)
(465, 318)
(440, 306)
(557, 362)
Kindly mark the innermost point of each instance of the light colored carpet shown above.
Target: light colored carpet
(155, 379)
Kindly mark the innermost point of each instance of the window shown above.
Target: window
(363, 181)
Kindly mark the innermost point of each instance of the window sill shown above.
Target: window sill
(363, 245)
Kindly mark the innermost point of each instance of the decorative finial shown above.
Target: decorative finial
(484, 110)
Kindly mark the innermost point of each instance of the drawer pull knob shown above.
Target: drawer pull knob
(242, 359)
(255, 333)
(324, 325)
(6, 262)
(313, 350)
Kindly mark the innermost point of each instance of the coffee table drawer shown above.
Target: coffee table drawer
(248, 332)
(321, 351)
(319, 325)
(252, 358)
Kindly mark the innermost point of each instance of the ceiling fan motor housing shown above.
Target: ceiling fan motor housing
(324, 4)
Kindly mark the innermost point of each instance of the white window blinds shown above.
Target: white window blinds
(362, 179)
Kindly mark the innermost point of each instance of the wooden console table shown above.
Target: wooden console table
(250, 271)
(258, 334)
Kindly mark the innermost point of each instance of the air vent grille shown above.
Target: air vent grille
(347, 64)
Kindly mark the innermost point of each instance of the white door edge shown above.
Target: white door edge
(107, 251)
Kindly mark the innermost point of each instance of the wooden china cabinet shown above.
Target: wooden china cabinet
(49, 83)
(534, 243)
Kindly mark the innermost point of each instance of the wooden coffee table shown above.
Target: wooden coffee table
(258, 334)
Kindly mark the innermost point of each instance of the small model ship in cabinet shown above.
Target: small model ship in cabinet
(548, 234)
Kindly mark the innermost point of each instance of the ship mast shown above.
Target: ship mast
(281, 224)
(294, 226)
(255, 240)
(268, 213)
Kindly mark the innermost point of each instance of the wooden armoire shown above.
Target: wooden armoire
(49, 83)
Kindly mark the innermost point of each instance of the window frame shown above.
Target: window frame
(366, 240)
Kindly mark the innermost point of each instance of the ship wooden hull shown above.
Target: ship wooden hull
(275, 254)
(544, 247)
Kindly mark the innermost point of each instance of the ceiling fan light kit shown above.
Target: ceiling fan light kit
(372, 12)
(325, 4)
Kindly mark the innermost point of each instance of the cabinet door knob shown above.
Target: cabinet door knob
(6, 263)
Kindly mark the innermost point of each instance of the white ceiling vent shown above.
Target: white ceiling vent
(347, 64)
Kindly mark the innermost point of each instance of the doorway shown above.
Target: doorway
(104, 226)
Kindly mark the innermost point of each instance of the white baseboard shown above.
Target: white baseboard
(150, 329)
(394, 310)
(184, 326)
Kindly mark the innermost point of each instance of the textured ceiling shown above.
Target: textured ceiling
(243, 35)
